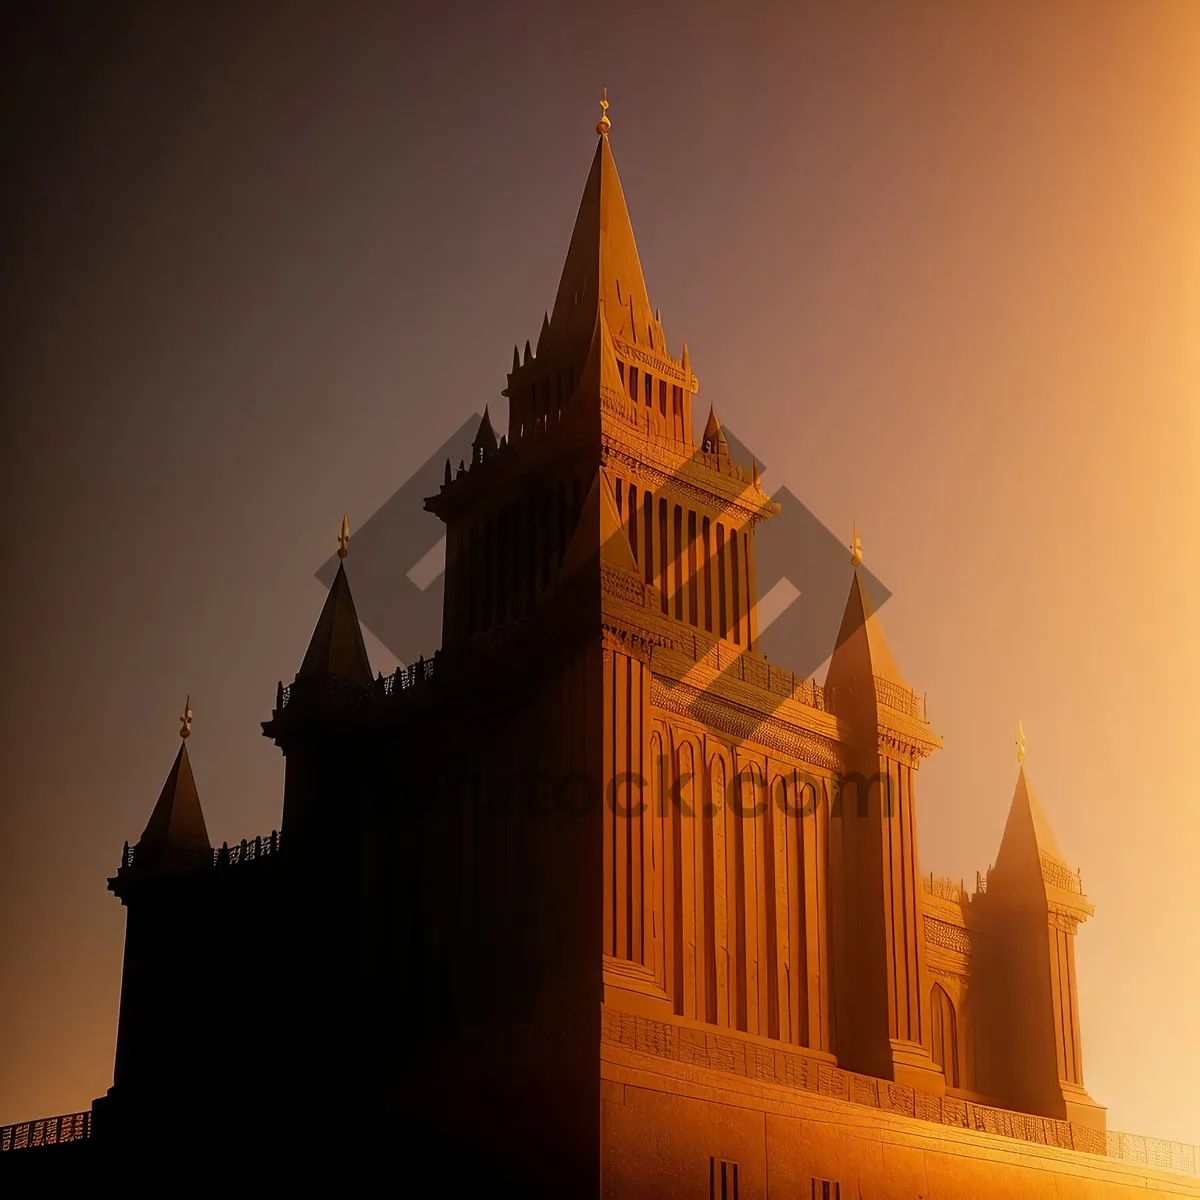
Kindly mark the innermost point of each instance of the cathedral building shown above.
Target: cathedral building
(595, 899)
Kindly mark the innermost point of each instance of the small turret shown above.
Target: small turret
(484, 445)
(714, 436)
(1035, 903)
(175, 837)
(336, 649)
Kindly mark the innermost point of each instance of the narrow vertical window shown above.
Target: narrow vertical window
(649, 388)
(693, 596)
(749, 593)
(677, 557)
(633, 522)
(722, 1179)
(722, 624)
(663, 577)
(648, 518)
(617, 490)
(662, 397)
(706, 555)
(736, 575)
(633, 383)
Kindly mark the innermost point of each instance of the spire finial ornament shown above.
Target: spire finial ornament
(856, 548)
(1020, 743)
(185, 721)
(604, 124)
(344, 538)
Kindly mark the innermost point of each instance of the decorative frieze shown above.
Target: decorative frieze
(947, 936)
(788, 1067)
(745, 724)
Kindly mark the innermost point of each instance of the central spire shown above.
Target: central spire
(602, 269)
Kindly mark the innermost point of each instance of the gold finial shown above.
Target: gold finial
(344, 538)
(1020, 743)
(185, 722)
(604, 124)
(856, 548)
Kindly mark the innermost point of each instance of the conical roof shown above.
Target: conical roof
(602, 266)
(1027, 835)
(1029, 865)
(176, 829)
(861, 650)
(336, 647)
(485, 436)
(714, 435)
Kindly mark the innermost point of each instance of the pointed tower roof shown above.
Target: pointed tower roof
(485, 436)
(714, 435)
(602, 265)
(176, 834)
(861, 646)
(1027, 834)
(336, 647)
(863, 679)
(1029, 864)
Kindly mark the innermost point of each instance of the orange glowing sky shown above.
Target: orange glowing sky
(942, 260)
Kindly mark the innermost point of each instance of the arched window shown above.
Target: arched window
(945, 1034)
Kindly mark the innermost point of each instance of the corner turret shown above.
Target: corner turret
(1035, 904)
(175, 837)
(336, 649)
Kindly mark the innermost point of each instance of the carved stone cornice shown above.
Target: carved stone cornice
(659, 462)
(744, 723)
(906, 747)
(661, 362)
(959, 975)
(625, 641)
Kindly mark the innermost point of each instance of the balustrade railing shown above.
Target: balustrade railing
(400, 680)
(246, 851)
(1059, 875)
(48, 1131)
(740, 664)
(944, 888)
(1183, 1157)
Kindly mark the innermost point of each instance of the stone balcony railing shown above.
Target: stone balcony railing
(945, 888)
(247, 851)
(1183, 1157)
(1158, 1153)
(48, 1131)
(1060, 875)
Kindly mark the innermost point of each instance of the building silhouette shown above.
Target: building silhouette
(596, 899)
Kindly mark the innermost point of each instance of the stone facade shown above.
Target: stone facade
(596, 899)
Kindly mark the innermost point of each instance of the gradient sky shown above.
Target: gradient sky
(942, 260)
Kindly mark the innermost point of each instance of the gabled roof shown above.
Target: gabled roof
(176, 828)
(602, 266)
(336, 647)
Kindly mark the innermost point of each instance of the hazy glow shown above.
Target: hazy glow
(940, 262)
